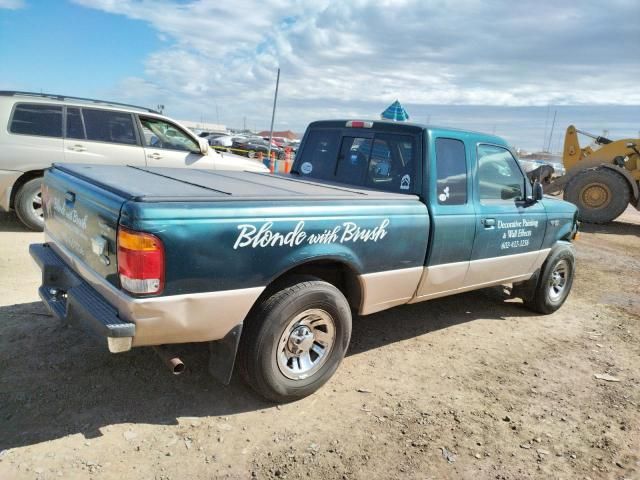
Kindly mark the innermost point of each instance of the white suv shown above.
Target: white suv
(42, 129)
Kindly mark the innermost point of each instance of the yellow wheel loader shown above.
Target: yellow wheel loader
(600, 181)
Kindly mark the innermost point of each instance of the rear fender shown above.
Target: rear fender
(222, 353)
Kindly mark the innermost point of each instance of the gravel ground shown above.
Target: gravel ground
(471, 386)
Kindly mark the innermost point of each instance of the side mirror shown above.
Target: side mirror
(204, 146)
(538, 191)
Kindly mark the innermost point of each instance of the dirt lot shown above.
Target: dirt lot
(471, 386)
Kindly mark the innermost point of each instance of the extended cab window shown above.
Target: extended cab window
(383, 162)
(109, 126)
(37, 119)
(451, 171)
(160, 134)
(499, 176)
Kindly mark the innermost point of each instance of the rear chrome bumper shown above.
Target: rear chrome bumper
(69, 298)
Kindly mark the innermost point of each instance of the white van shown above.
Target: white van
(42, 129)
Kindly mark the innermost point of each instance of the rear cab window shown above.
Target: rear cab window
(36, 119)
(364, 158)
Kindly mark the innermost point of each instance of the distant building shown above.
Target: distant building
(286, 134)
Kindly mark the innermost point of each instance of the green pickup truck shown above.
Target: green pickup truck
(268, 269)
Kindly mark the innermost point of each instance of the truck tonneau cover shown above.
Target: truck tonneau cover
(157, 184)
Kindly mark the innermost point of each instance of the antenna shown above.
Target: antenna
(273, 114)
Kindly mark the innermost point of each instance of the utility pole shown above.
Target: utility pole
(553, 124)
(217, 115)
(546, 123)
(273, 113)
(244, 123)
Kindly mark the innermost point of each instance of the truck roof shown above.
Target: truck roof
(391, 126)
(158, 184)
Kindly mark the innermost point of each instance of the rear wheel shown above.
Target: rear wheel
(601, 195)
(294, 340)
(28, 204)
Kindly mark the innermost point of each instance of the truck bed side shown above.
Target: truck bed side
(223, 248)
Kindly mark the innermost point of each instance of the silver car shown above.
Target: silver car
(42, 129)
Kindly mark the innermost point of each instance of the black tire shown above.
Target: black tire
(274, 320)
(28, 205)
(547, 298)
(601, 195)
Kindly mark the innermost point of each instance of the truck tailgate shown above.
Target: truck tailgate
(83, 218)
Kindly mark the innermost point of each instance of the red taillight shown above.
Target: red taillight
(140, 262)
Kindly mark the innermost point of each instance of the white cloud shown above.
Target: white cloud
(12, 4)
(341, 57)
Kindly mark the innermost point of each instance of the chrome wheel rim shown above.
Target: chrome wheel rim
(305, 344)
(558, 280)
(36, 205)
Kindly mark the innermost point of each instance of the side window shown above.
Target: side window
(498, 174)
(37, 119)
(109, 126)
(451, 172)
(160, 134)
(75, 129)
(320, 154)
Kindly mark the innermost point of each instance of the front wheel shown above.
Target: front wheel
(294, 340)
(554, 282)
(28, 204)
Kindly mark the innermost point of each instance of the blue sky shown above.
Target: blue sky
(487, 65)
(61, 47)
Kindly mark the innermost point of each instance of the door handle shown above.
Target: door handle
(489, 223)
(77, 148)
(155, 156)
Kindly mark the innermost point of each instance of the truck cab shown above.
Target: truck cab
(486, 226)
